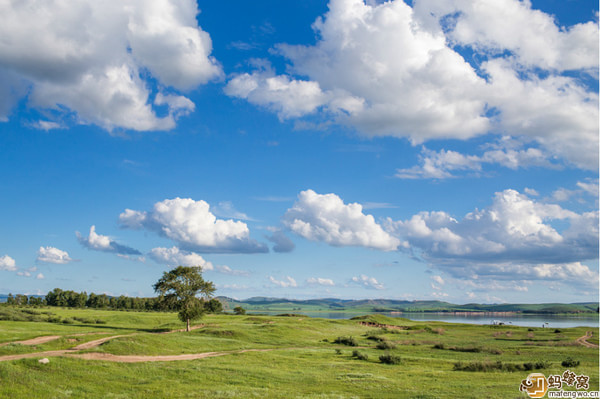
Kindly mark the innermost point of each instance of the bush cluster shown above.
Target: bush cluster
(492, 366)
(570, 362)
(389, 359)
(359, 355)
(349, 341)
(385, 345)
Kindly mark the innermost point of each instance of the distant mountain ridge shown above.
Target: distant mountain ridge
(404, 306)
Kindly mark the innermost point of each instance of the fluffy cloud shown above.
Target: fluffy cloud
(99, 242)
(376, 69)
(7, 263)
(444, 164)
(320, 281)
(513, 237)
(367, 282)
(555, 111)
(175, 257)
(191, 224)
(286, 283)
(388, 69)
(588, 187)
(53, 255)
(326, 218)
(532, 36)
(287, 97)
(98, 59)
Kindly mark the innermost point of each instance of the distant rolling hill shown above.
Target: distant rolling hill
(390, 305)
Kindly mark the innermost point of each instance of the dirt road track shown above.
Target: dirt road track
(72, 352)
(168, 358)
(34, 341)
(583, 340)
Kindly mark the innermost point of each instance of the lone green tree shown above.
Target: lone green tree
(179, 289)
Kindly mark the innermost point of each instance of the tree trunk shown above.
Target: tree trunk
(188, 325)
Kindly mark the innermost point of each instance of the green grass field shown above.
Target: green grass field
(300, 357)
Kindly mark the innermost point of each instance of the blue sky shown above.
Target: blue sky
(406, 150)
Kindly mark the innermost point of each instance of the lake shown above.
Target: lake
(554, 321)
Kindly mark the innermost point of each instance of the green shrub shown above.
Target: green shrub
(374, 337)
(385, 345)
(570, 362)
(349, 341)
(492, 366)
(389, 359)
(359, 355)
(239, 310)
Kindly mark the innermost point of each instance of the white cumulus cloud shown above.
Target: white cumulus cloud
(445, 164)
(53, 255)
(367, 282)
(532, 36)
(326, 218)
(285, 283)
(99, 59)
(389, 69)
(513, 228)
(7, 263)
(514, 238)
(175, 257)
(191, 224)
(99, 242)
(320, 281)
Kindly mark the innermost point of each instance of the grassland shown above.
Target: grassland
(299, 357)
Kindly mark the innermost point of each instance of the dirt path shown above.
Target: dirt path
(126, 358)
(164, 358)
(98, 342)
(46, 338)
(87, 345)
(72, 352)
(583, 340)
(34, 341)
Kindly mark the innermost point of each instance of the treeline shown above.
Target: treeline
(72, 299)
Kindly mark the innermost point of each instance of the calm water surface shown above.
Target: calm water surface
(516, 320)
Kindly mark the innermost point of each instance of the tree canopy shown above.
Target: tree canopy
(179, 289)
